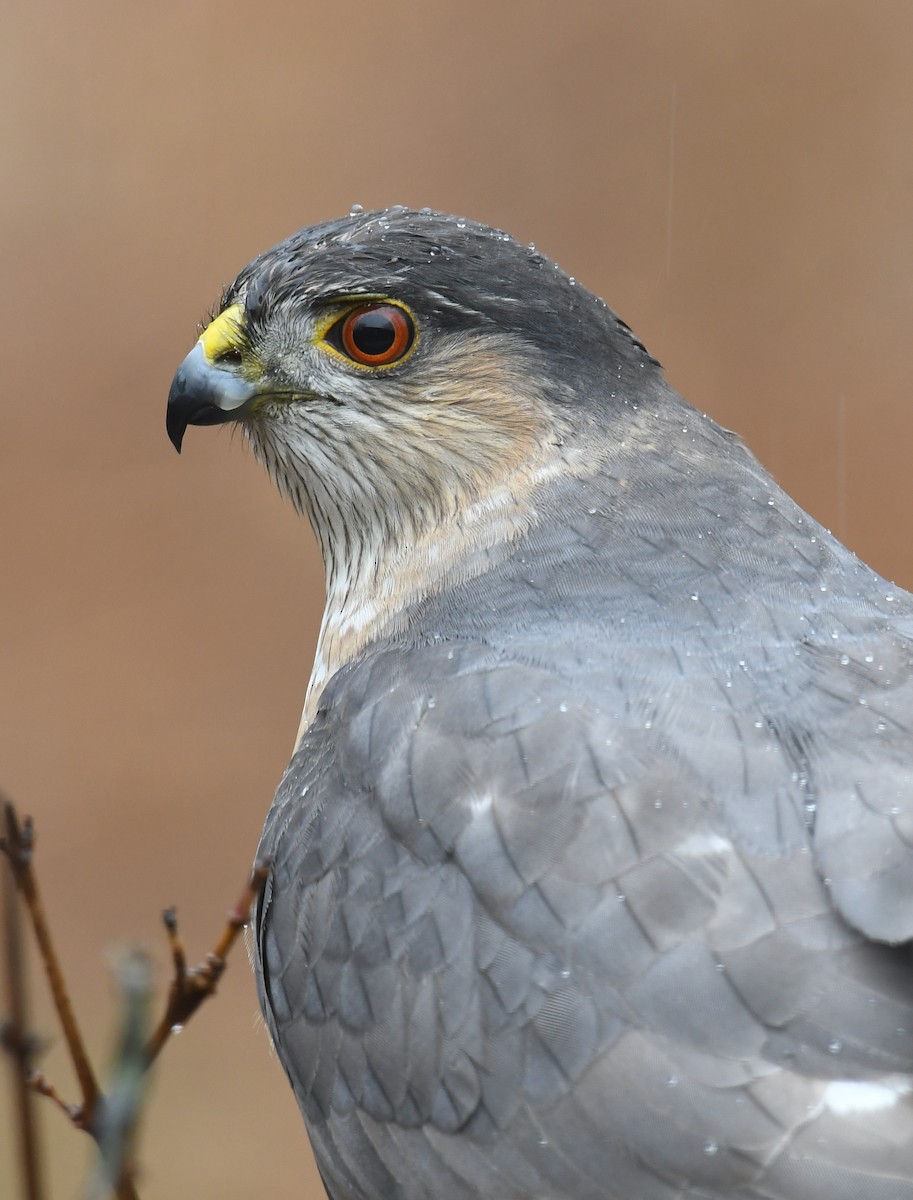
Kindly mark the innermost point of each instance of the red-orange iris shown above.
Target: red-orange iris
(376, 335)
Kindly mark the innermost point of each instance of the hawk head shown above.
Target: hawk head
(409, 379)
(403, 358)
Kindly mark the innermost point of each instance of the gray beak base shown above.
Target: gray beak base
(205, 394)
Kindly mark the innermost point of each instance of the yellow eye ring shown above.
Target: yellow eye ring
(373, 335)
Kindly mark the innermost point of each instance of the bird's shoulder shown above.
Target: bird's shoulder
(609, 784)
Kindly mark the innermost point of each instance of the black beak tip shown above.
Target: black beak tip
(177, 416)
(176, 427)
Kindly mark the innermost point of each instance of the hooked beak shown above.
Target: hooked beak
(205, 392)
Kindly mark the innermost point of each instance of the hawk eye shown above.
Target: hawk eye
(374, 335)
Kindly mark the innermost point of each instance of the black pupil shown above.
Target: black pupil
(374, 333)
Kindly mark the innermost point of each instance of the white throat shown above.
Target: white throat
(375, 599)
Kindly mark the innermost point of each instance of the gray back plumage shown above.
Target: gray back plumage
(596, 878)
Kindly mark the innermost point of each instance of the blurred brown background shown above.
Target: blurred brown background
(735, 179)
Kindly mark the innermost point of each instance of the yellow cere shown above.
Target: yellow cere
(225, 333)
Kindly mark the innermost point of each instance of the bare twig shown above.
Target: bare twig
(18, 844)
(42, 1086)
(17, 1041)
(190, 986)
(110, 1119)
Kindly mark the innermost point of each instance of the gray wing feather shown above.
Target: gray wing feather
(523, 936)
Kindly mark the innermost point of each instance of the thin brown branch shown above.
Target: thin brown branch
(41, 1086)
(124, 1189)
(110, 1119)
(190, 986)
(17, 1041)
(18, 844)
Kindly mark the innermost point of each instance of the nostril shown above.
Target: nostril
(229, 357)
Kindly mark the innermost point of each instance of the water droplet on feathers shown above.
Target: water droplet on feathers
(356, 209)
(835, 1046)
(711, 1147)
